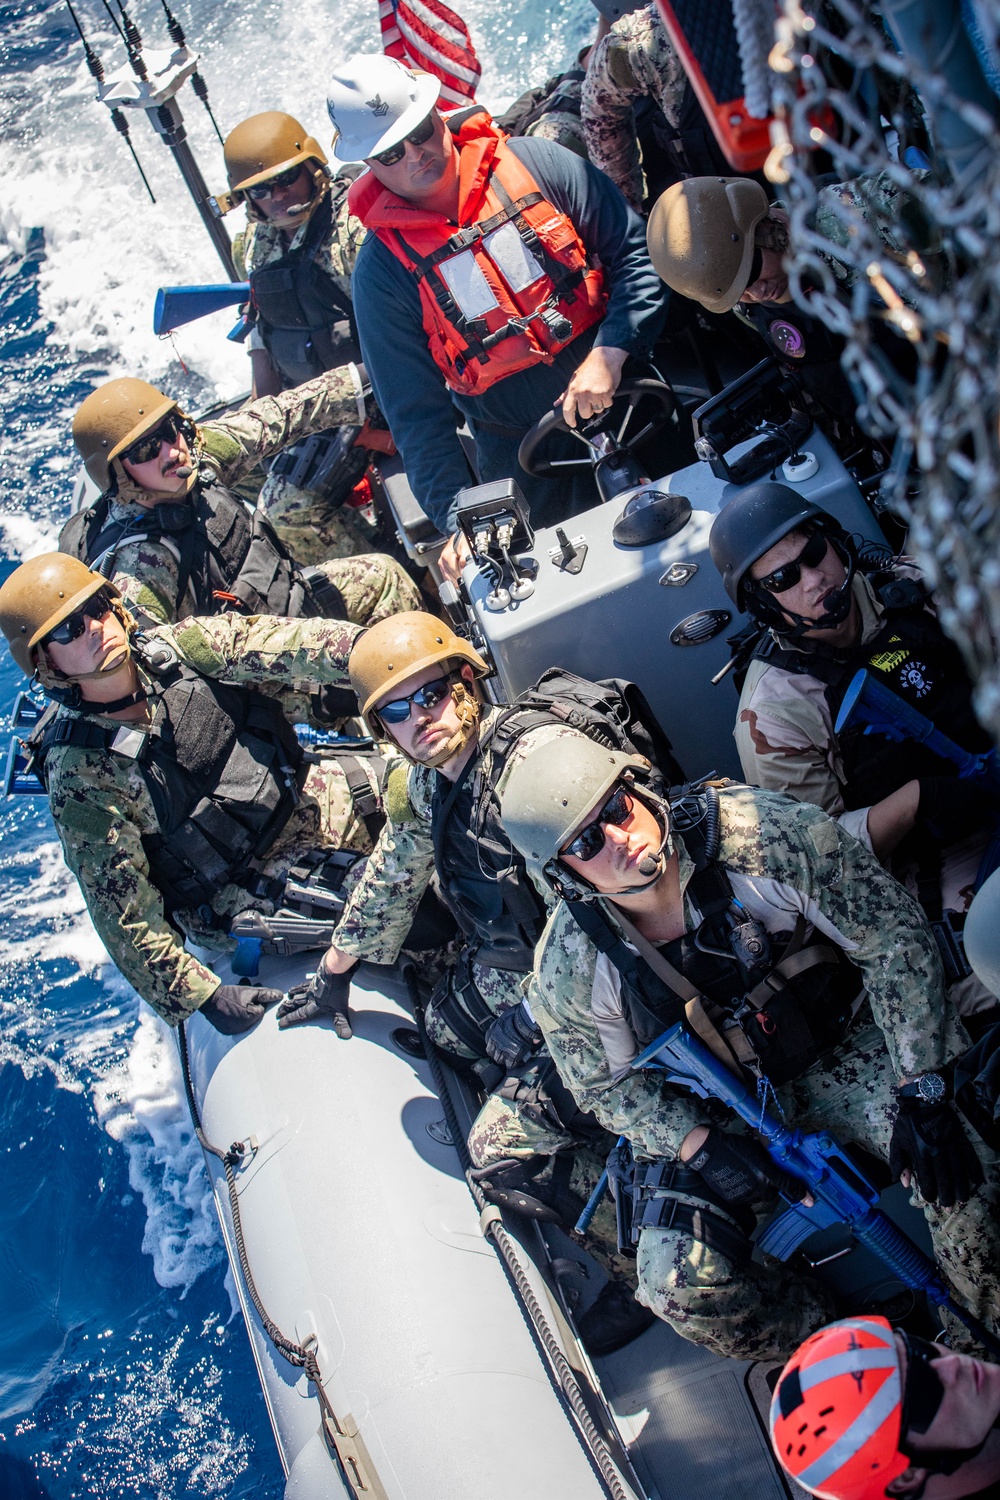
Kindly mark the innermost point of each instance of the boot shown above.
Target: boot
(613, 1320)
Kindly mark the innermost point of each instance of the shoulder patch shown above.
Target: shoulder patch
(397, 796)
(619, 66)
(217, 443)
(823, 836)
(94, 822)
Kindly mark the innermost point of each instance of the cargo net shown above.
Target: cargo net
(913, 245)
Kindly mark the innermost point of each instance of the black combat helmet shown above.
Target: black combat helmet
(750, 525)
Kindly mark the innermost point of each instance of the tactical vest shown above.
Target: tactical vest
(228, 554)
(305, 320)
(779, 1005)
(688, 149)
(511, 286)
(223, 769)
(483, 879)
(911, 655)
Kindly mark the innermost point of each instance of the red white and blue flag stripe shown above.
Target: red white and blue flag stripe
(428, 35)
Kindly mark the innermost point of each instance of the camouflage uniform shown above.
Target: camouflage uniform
(782, 858)
(146, 569)
(883, 205)
(310, 529)
(374, 925)
(786, 741)
(102, 807)
(635, 58)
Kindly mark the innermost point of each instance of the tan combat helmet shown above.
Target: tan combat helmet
(400, 646)
(701, 237)
(112, 418)
(39, 595)
(260, 148)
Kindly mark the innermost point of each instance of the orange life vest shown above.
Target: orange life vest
(511, 285)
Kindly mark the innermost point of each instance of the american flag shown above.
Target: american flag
(426, 34)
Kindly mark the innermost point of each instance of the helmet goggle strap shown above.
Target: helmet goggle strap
(767, 607)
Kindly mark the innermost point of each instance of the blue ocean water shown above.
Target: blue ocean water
(123, 1372)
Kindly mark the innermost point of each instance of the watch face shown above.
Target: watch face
(931, 1086)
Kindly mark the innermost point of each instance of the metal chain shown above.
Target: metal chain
(915, 250)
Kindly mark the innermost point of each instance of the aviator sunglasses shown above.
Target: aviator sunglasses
(262, 190)
(788, 575)
(70, 629)
(590, 840)
(392, 154)
(147, 447)
(397, 711)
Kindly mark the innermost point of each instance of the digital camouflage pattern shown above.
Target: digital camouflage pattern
(561, 121)
(262, 242)
(884, 205)
(312, 527)
(786, 741)
(307, 524)
(102, 808)
(635, 58)
(378, 916)
(703, 1295)
(227, 449)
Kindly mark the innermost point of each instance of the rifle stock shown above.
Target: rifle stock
(177, 305)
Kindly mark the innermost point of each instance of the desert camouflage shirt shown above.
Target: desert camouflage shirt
(102, 807)
(635, 58)
(784, 858)
(146, 569)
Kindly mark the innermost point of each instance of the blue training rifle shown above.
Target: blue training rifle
(841, 1192)
(176, 305)
(868, 703)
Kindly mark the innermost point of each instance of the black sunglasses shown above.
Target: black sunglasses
(147, 447)
(262, 190)
(590, 840)
(397, 710)
(392, 154)
(788, 575)
(70, 629)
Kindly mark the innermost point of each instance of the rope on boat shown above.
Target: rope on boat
(354, 1465)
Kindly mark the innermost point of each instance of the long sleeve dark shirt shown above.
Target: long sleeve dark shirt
(410, 388)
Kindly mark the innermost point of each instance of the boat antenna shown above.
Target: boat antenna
(133, 44)
(118, 119)
(197, 82)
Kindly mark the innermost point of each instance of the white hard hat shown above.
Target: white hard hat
(374, 101)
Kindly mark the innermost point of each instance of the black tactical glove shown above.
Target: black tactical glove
(928, 1140)
(952, 807)
(740, 1171)
(513, 1038)
(322, 995)
(235, 1008)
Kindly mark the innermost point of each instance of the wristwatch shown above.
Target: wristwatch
(929, 1088)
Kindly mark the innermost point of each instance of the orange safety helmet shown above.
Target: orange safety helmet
(837, 1411)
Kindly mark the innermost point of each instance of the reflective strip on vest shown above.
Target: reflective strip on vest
(512, 295)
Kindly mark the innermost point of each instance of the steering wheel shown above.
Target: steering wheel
(600, 434)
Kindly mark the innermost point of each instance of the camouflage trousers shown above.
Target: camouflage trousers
(311, 526)
(764, 1311)
(373, 586)
(513, 1129)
